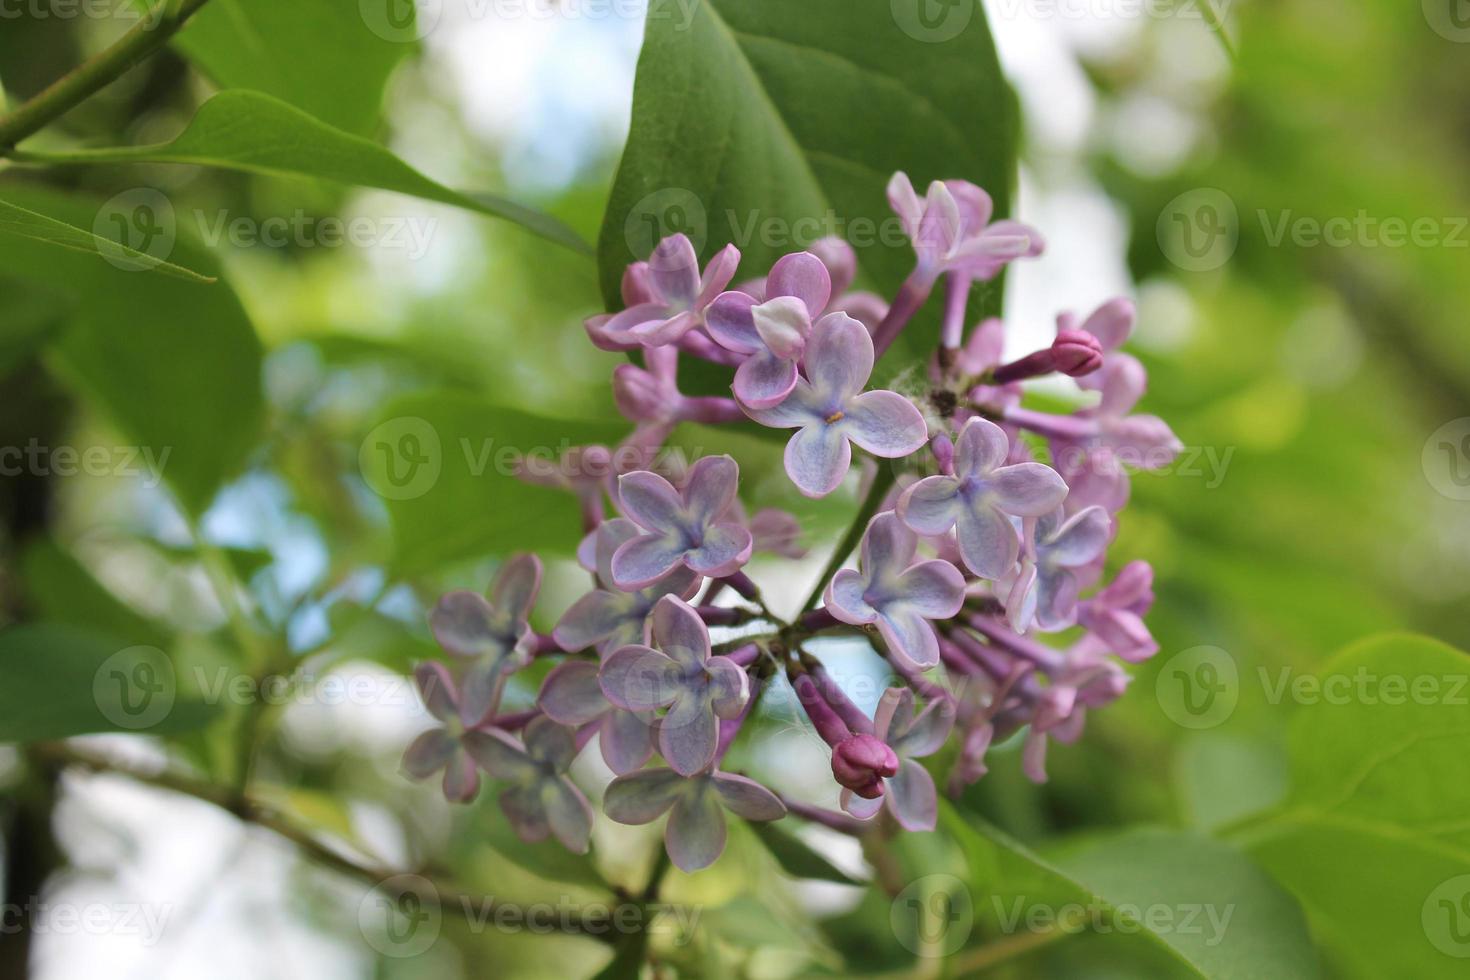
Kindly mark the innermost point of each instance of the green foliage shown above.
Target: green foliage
(796, 858)
(26, 224)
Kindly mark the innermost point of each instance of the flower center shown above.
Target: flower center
(834, 417)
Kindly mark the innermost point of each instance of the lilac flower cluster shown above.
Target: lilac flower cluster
(987, 533)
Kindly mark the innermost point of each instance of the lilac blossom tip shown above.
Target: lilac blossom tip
(861, 762)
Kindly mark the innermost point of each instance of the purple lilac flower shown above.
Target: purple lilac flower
(442, 747)
(695, 833)
(681, 528)
(652, 395)
(572, 695)
(909, 795)
(1086, 680)
(493, 635)
(897, 594)
(697, 689)
(1115, 613)
(951, 230)
(609, 618)
(539, 799)
(1045, 589)
(981, 497)
(773, 333)
(667, 296)
(1110, 323)
(829, 408)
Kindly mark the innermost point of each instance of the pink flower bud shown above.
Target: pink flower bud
(641, 396)
(1076, 352)
(859, 762)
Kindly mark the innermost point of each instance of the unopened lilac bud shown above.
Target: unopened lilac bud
(1076, 352)
(859, 762)
(641, 396)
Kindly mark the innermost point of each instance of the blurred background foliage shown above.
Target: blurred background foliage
(1312, 376)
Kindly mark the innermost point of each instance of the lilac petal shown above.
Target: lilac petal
(549, 743)
(729, 322)
(894, 712)
(803, 276)
(980, 447)
(650, 500)
(984, 255)
(516, 587)
(481, 687)
(688, 734)
(526, 811)
(626, 739)
(1056, 599)
(845, 598)
(643, 561)
(642, 797)
(661, 332)
(783, 325)
(695, 834)
(764, 380)
(1111, 323)
(839, 357)
(461, 781)
(909, 636)
(674, 269)
(680, 633)
(592, 618)
(800, 408)
(939, 229)
(885, 424)
(500, 755)
(975, 206)
(869, 309)
(726, 547)
(620, 325)
(887, 549)
(729, 687)
(572, 693)
(463, 624)
(1122, 381)
(839, 258)
(861, 807)
(1146, 439)
(747, 798)
(436, 687)
(928, 732)
(930, 506)
(568, 813)
(1028, 489)
(911, 797)
(905, 202)
(934, 589)
(428, 753)
(1081, 539)
(817, 458)
(710, 487)
(640, 679)
(717, 275)
(1021, 599)
(778, 532)
(987, 540)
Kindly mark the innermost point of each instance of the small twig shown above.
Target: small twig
(882, 481)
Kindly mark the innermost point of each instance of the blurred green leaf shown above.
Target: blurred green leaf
(816, 106)
(63, 591)
(444, 462)
(1371, 837)
(29, 225)
(175, 364)
(1221, 778)
(258, 133)
(318, 55)
(796, 858)
(62, 681)
(27, 317)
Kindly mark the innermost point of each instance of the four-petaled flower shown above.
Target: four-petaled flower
(980, 498)
(681, 675)
(772, 333)
(1115, 613)
(695, 833)
(1045, 588)
(951, 230)
(493, 635)
(539, 799)
(572, 695)
(685, 528)
(829, 408)
(667, 295)
(608, 617)
(897, 594)
(442, 747)
(909, 795)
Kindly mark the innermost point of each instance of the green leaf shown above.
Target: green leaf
(141, 346)
(1371, 837)
(444, 464)
(1160, 888)
(769, 124)
(546, 859)
(61, 590)
(319, 55)
(62, 681)
(258, 133)
(27, 317)
(796, 858)
(29, 225)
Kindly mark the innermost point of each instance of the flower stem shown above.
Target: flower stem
(882, 481)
